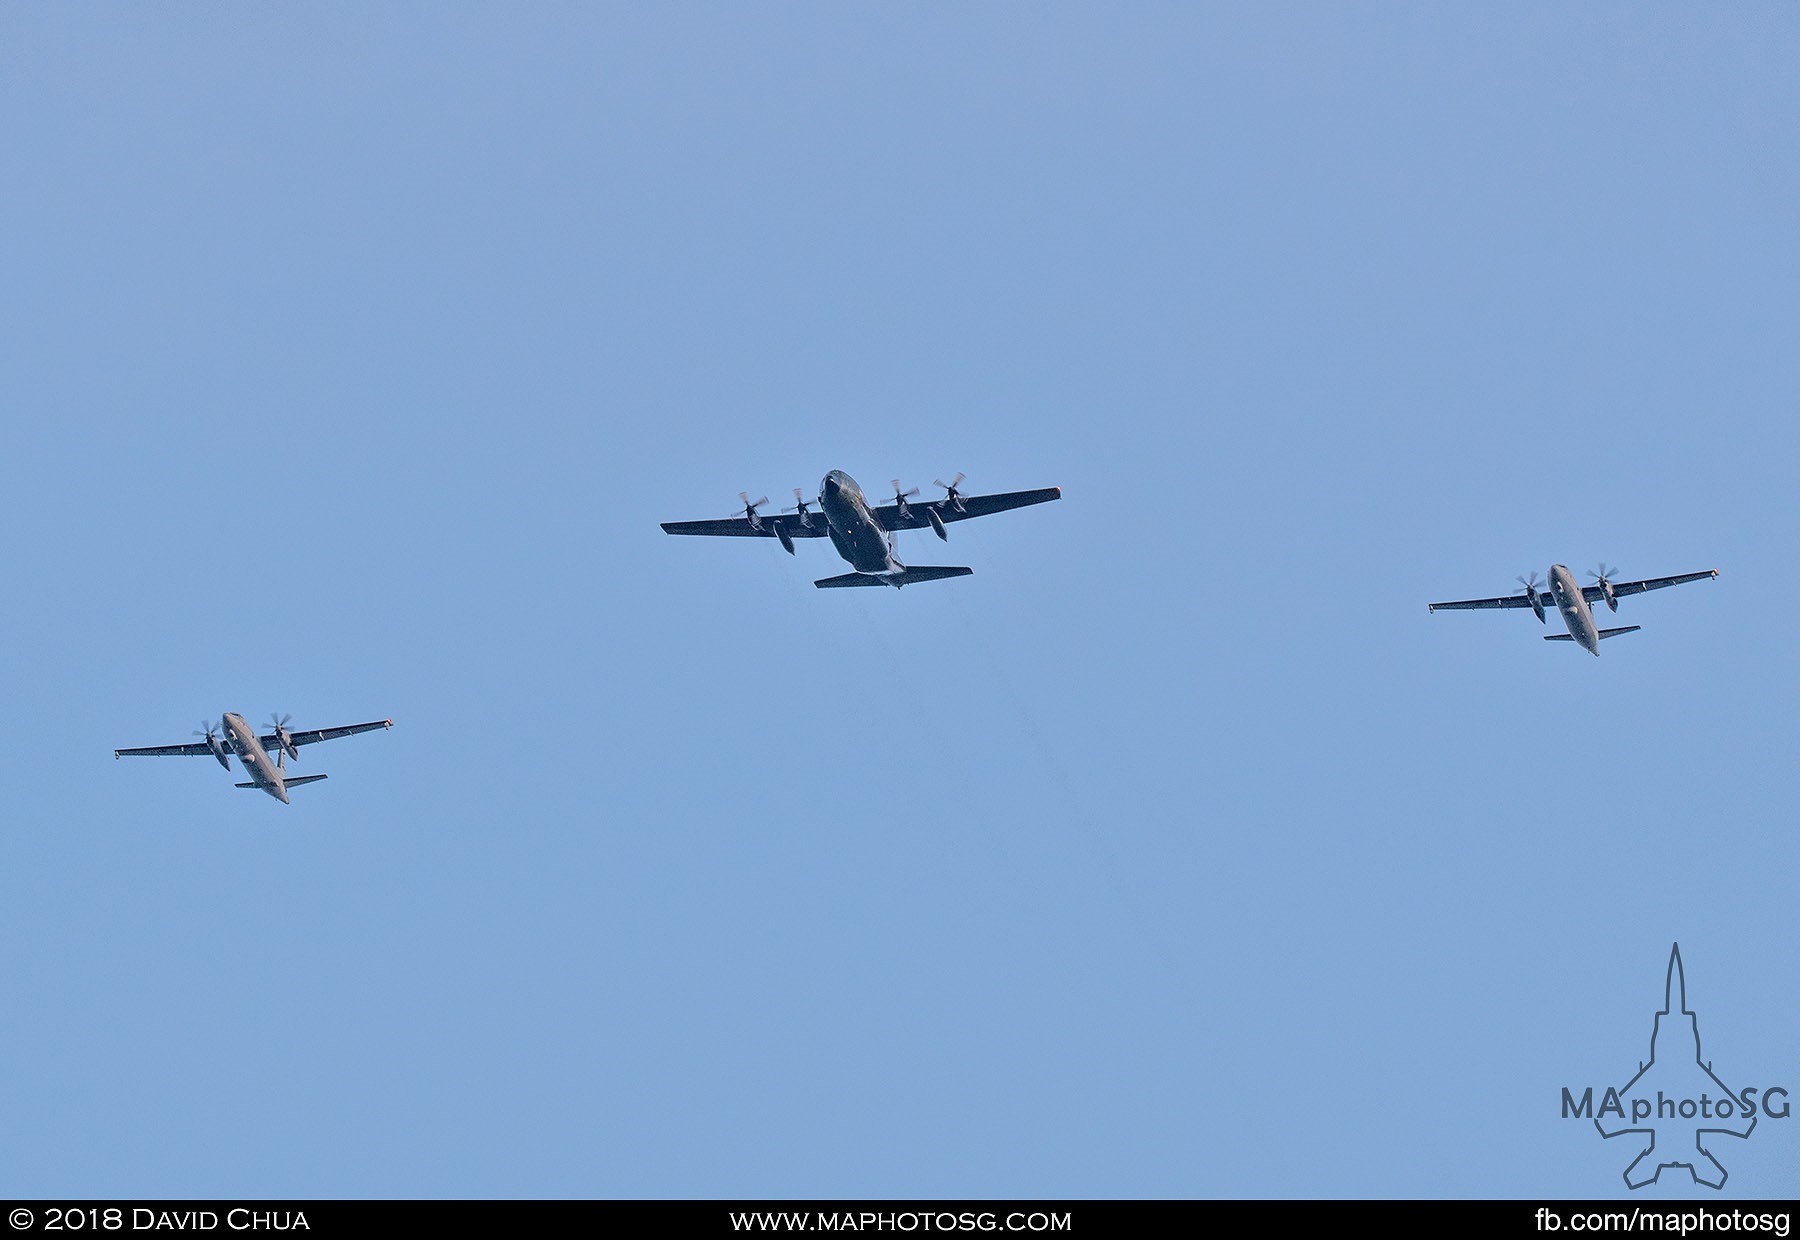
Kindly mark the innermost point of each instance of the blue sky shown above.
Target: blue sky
(353, 355)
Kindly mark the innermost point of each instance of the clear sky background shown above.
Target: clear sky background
(352, 355)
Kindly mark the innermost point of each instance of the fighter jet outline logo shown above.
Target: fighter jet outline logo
(1678, 1139)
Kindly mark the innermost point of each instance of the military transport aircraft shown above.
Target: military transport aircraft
(862, 534)
(1576, 602)
(232, 735)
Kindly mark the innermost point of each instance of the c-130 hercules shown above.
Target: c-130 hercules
(863, 534)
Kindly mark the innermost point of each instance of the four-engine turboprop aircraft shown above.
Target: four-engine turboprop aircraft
(233, 736)
(863, 534)
(1575, 603)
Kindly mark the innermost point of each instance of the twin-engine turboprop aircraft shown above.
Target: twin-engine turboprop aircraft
(864, 534)
(1574, 602)
(232, 736)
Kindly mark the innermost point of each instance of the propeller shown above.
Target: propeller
(750, 513)
(1603, 578)
(1531, 592)
(282, 737)
(800, 507)
(210, 731)
(954, 497)
(900, 498)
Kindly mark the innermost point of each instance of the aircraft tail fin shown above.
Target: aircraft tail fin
(930, 572)
(1604, 633)
(293, 781)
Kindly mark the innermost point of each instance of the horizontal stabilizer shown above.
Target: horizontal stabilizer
(1604, 633)
(293, 781)
(907, 578)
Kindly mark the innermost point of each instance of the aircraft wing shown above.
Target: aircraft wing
(166, 751)
(315, 735)
(1622, 588)
(972, 506)
(1510, 600)
(740, 527)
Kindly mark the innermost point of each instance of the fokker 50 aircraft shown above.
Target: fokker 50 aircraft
(1576, 602)
(862, 534)
(232, 735)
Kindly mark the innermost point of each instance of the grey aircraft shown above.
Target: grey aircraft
(232, 735)
(864, 534)
(1574, 602)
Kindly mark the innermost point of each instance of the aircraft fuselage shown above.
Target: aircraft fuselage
(1572, 604)
(855, 532)
(242, 740)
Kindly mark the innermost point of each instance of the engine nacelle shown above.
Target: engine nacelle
(1537, 605)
